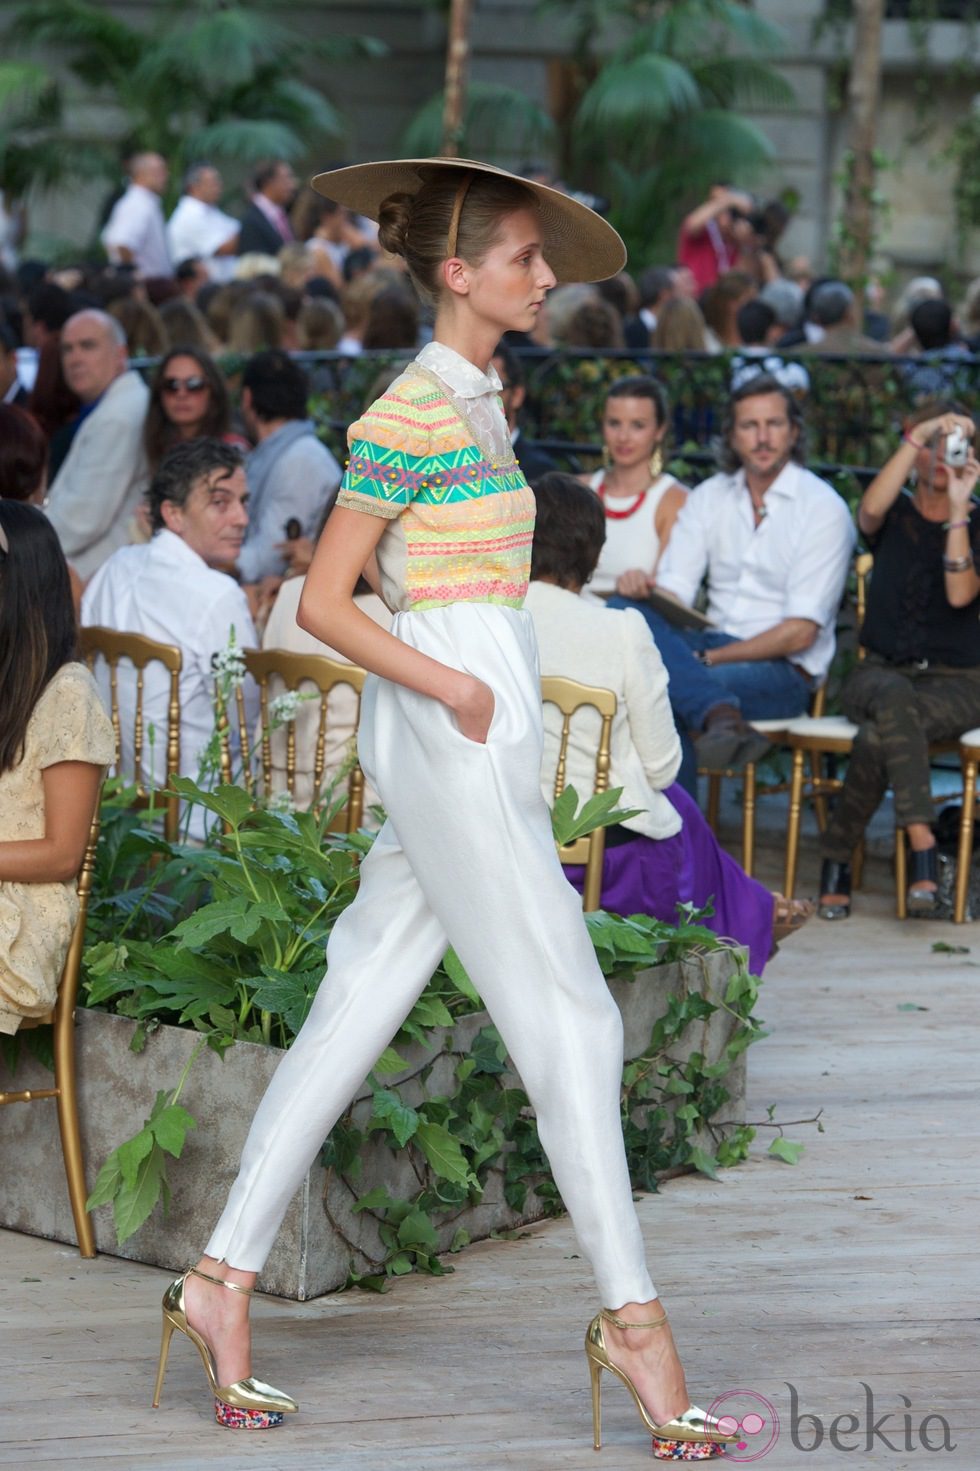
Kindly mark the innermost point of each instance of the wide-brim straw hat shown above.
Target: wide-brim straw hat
(579, 245)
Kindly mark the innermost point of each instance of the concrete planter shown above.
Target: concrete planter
(117, 1089)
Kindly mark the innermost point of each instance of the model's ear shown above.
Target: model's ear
(456, 275)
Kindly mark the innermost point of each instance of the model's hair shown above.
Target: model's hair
(185, 466)
(159, 433)
(569, 530)
(641, 386)
(417, 226)
(37, 620)
(680, 327)
(23, 454)
(755, 387)
(278, 386)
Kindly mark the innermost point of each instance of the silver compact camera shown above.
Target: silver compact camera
(957, 448)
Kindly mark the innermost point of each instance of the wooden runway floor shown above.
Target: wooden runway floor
(858, 1266)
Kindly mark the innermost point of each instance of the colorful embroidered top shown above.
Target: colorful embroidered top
(460, 511)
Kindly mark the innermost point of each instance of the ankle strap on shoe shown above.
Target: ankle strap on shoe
(621, 1322)
(220, 1281)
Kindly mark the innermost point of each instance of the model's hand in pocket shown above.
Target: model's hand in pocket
(474, 709)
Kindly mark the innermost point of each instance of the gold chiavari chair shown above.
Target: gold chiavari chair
(62, 1017)
(112, 646)
(571, 697)
(272, 668)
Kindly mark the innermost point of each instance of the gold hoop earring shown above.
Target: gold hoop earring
(656, 462)
(607, 458)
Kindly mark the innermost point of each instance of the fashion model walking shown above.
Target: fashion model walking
(434, 508)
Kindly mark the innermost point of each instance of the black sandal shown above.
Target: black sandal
(835, 878)
(923, 869)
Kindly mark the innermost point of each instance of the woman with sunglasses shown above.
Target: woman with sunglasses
(188, 400)
(55, 742)
(435, 512)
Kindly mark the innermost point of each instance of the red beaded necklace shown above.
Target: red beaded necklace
(619, 515)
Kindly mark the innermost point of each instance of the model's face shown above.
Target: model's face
(90, 356)
(213, 519)
(762, 436)
(630, 430)
(185, 394)
(510, 285)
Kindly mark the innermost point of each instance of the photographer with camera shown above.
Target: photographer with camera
(714, 236)
(920, 678)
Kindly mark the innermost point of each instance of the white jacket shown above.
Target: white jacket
(614, 650)
(95, 493)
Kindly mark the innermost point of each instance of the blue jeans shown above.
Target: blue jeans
(763, 689)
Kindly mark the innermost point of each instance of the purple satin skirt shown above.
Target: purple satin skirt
(652, 876)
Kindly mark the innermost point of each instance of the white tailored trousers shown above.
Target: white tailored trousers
(465, 858)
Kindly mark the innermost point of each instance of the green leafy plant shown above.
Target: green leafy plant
(228, 939)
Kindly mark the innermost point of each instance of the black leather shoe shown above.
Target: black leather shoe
(835, 878)
(923, 868)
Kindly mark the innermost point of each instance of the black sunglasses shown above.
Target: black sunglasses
(197, 384)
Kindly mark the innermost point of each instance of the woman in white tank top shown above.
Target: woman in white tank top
(640, 500)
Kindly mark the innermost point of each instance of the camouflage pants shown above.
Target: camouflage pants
(899, 709)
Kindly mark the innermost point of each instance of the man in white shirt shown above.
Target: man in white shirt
(95, 493)
(775, 543)
(134, 233)
(198, 228)
(176, 589)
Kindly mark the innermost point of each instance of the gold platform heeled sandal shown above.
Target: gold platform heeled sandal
(693, 1436)
(248, 1404)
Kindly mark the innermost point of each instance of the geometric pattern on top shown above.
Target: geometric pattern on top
(465, 524)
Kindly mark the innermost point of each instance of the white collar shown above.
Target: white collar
(786, 483)
(458, 373)
(173, 548)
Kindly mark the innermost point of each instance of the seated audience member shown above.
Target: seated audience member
(594, 325)
(640, 498)
(188, 400)
(920, 288)
(775, 543)
(23, 457)
(191, 278)
(319, 325)
(12, 390)
(969, 316)
(356, 300)
(184, 324)
(786, 299)
(392, 321)
(680, 327)
(835, 310)
(292, 477)
(656, 286)
(939, 373)
(712, 236)
(667, 854)
(177, 589)
(145, 335)
(256, 323)
(759, 329)
(199, 228)
(95, 493)
(283, 632)
(720, 305)
(513, 393)
(920, 678)
(55, 743)
(622, 294)
(265, 223)
(135, 233)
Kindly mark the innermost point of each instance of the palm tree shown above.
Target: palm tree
(658, 120)
(215, 79)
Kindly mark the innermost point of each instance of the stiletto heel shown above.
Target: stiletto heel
(248, 1404)
(692, 1436)
(595, 1370)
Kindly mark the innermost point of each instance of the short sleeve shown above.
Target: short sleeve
(70, 721)
(389, 458)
